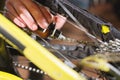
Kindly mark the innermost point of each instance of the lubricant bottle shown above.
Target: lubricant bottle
(44, 33)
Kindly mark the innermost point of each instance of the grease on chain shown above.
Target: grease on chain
(111, 46)
(109, 51)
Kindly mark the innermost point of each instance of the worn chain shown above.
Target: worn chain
(111, 46)
(109, 50)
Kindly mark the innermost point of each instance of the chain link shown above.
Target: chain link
(111, 46)
(19, 65)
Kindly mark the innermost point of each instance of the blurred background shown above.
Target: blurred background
(109, 10)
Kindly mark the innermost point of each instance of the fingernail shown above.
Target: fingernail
(44, 25)
(34, 27)
(22, 25)
(18, 22)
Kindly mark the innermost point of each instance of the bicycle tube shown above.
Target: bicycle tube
(35, 52)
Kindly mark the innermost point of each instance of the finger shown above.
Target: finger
(60, 21)
(36, 13)
(45, 11)
(25, 15)
(13, 13)
(14, 19)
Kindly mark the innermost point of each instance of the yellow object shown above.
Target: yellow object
(8, 76)
(36, 53)
(105, 29)
(95, 62)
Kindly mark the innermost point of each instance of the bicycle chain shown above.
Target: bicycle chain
(111, 46)
(19, 65)
(109, 51)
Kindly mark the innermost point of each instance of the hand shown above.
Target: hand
(26, 13)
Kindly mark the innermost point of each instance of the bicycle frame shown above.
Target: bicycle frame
(36, 53)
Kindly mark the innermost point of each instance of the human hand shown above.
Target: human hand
(26, 13)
